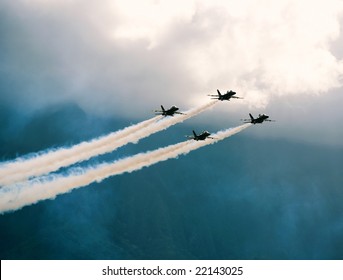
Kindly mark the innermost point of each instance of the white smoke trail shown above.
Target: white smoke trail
(22, 169)
(49, 187)
(42, 163)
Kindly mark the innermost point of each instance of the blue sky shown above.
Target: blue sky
(72, 71)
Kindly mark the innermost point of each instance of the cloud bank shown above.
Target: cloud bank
(170, 50)
(125, 58)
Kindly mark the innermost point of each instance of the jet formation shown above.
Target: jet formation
(219, 96)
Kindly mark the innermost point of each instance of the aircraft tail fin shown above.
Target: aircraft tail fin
(195, 135)
(163, 108)
(219, 92)
(251, 117)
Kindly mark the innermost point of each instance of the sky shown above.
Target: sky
(73, 70)
(282, 56)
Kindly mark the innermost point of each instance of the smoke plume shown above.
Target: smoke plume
(49, 187)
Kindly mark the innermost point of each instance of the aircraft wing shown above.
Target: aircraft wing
(158, 112)
(246, 120)
(214, 97)
(236, 97)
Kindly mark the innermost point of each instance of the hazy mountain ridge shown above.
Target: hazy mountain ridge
(241, 198)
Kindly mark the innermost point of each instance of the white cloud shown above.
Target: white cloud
(274, 47)
(149, 19)
(282, 49)
(175, 51)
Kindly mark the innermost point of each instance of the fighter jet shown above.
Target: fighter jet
(226, 96)
(170, 112)
(260, 119)
(205, 134)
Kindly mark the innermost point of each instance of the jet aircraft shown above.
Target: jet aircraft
(260, 119)
(170, 112)
(205, 134)
(226, 96)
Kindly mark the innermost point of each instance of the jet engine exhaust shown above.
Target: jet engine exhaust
(22, 169)
(48, 187)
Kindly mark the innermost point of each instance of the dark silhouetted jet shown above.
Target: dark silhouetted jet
(226, 96)
(205, 134)
(260, 119)
(170, 112)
